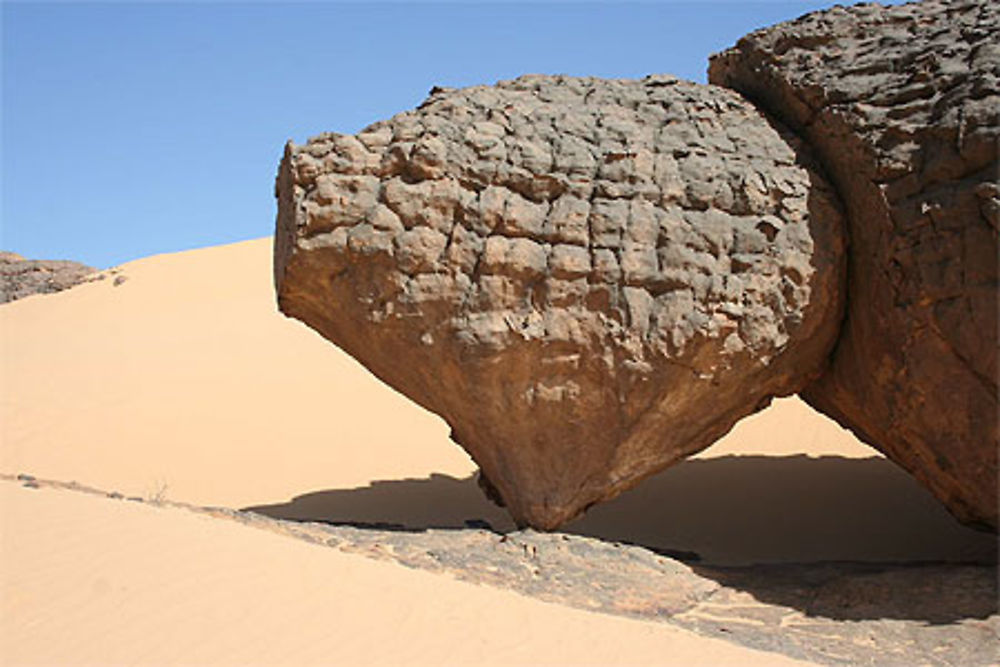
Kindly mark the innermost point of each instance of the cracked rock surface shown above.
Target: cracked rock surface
(901, 106)
(588, 279)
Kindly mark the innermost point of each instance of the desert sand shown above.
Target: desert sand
(184, 382)
(93, 581)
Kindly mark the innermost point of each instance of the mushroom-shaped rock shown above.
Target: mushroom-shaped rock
(901, 106)
(588, 279)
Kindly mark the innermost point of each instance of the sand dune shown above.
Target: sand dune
(185, 382)
(186, 378)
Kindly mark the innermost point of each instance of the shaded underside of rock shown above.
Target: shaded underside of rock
(20, 277)
(588, 279)
(901, 105)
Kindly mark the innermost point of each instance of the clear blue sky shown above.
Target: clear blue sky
(131, 129)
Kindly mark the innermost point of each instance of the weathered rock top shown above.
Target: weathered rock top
(916, 83)
(616, 181)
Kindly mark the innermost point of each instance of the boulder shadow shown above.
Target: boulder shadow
(795, 531)
(439, 501)
(747, 510)
(731, 511)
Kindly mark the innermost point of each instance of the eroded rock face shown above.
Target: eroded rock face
(20, 277)
(588, 279)
(901, 105)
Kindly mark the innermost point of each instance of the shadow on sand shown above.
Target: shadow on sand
(731, 511)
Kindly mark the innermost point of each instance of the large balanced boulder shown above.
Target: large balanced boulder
(901, 106)
(588, 279)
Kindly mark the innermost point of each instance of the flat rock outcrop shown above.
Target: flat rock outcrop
(20, 277)
(901, 106)
(588, 279)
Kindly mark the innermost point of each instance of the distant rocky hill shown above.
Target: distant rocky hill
(20, 277)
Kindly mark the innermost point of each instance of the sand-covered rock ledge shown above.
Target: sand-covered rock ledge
(811, 612)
